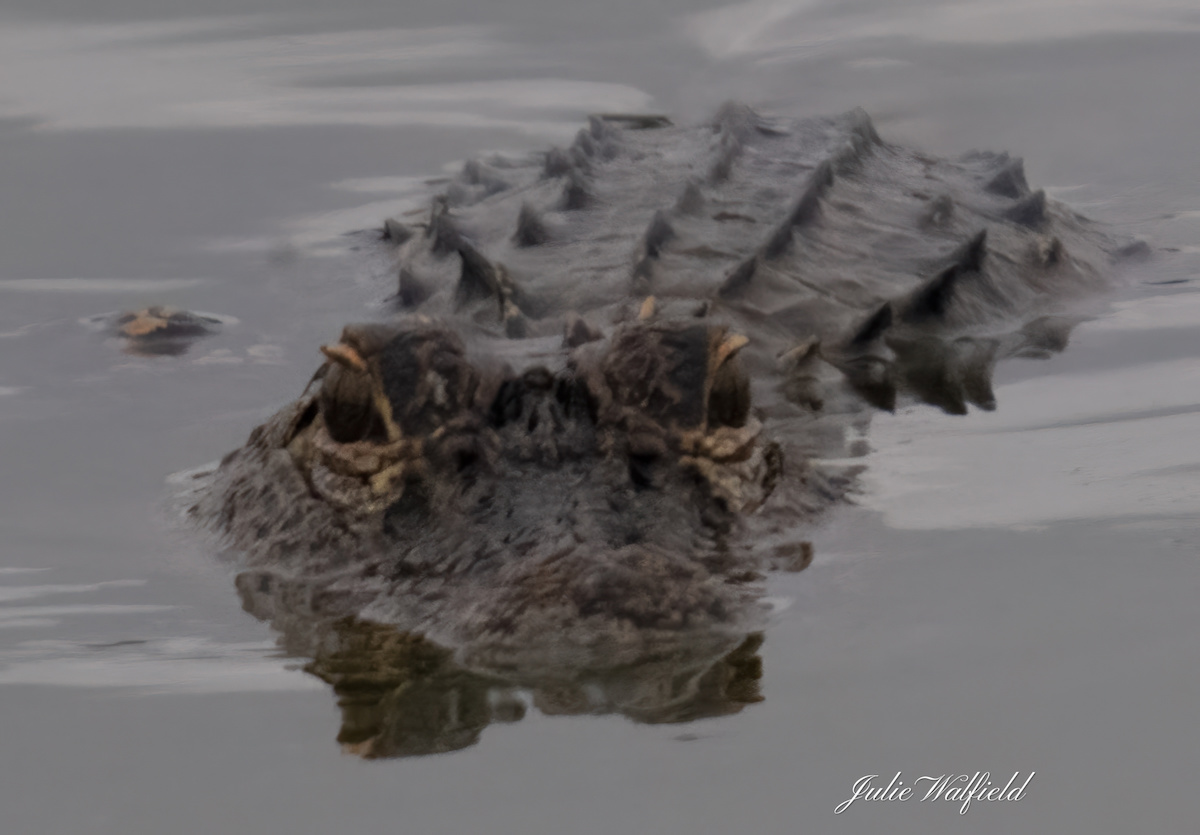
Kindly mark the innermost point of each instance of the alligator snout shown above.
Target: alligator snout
(644, 440)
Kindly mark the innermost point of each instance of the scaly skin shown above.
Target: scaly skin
(601, 407)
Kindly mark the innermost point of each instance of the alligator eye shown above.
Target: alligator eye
(348, 406)
(729, 397)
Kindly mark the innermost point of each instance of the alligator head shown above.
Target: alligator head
(598, 485)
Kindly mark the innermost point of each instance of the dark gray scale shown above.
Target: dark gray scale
(395, 231)
(737, 120)
(556, 164)
(412, 292)
(739, 279)
(1009, 181)
(442, 232)
(729, 149)
(861, 141)
(478, 278)
(575, 194)
(658, 234)
(940, 212)
(803, 213)
(873, 328)
(691, 200)
(531, 230)
(932, 301)
(1028, 211)
(585, 143)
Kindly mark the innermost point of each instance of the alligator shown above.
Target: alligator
(619, 380)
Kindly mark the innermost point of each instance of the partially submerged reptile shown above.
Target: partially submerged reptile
(157, 330)
(619, 376)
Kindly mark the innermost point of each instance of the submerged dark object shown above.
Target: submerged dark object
(536, 465)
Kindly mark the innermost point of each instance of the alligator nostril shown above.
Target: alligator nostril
(573, 396)
(466, 458)
(508, 404)
(641, 470)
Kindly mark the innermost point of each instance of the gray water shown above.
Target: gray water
(1013, 592)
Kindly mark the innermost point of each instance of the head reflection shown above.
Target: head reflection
(402, 695)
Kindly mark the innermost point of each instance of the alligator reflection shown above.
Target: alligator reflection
(402, 695)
